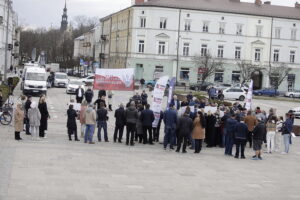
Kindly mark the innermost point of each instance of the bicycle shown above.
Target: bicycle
(5, 117)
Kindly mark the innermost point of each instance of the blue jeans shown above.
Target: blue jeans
(224, 137)
(169, 137)
(102, 124)
(89, 132)
(286, 140)
(229, 144)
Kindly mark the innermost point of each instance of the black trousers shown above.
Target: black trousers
(42, 132)
(71, 132)
(149, 130)
(180, 139)
(130, 129)
(118, 129)
(17, 135)
(79, 99)
(155, 134)
(240, 144)
(198, 145)
(27, 126)
(249, 138)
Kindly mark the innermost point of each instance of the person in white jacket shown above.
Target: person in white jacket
(34, 116)
(278, 134)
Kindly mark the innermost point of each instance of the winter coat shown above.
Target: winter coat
(34, 117)
(120, 117)
(287, 127)
(131, 115)
(271, 127)
(139, 124)
(19, 120)
(198, 130)
(144, 97)
(44, 115)
(89, 94)
(170, 118)
(90, 116)
(98, 102)
(260, 132)
(77, 93)
(173, 103)
(230, 126)
(147, 117)
(71, 123)
(184, 126)
(241, 131)
(102, 115)
(251, 122)
(27, 107)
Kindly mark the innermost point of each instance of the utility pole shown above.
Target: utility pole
(6, 40)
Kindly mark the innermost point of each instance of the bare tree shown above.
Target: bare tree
(246, 69)
(277, 74)
(207, 65)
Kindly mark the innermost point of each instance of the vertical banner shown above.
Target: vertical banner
(171, 89)
(249, 96)
(114, 79)
(158, 95)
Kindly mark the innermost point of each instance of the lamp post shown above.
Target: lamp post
(6, 39)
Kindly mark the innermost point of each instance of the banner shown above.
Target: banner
(171, 89)
(249, 96)
(158, 95)
(114, 79)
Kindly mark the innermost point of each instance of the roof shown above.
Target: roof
(228, 6)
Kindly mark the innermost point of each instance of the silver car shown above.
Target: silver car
(293, 94)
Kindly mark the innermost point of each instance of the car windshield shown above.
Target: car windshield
(75, 83)
(61, 76)
(31, 76)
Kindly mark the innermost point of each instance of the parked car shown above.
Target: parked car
(201, 86)
(150, 83)
(73, 85)
(293, 94)
(88, 80)
(296, 112)
(222, 86)
(233, 93)
(60, 79)
(266, 92)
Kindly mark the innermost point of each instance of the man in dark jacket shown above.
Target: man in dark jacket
(144, 97)
(120, 123)
(170, 120)
(71, 123)
(189, 97)
(229, 137)
(79, 94)
(259, 135)
(89, 94)
(102, 122)
(99, 101)
(137, 98)
(147, 118)
(175, 102)
(131, 115)
(27, 107)
(240, 137)
(101, 93)
(184, 129)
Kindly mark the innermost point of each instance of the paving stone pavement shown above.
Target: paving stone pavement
(57, 169)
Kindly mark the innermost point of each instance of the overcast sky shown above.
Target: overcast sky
(44, 13)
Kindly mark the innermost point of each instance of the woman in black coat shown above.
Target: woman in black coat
(44, 116)
(210, 129)
(71, 123)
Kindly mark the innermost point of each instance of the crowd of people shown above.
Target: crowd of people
(187, 123)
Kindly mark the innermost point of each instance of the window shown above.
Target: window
(294, 34)
(237, 52)
(161, 47)
(257, 54)
(205, 27)
(219, 75)
(141, 46)
(163, 23)
(276, 55)
(204, 50)
(277, 33)
(187, 25)
(184, 74)
(159, 69)
(258, 31)
(186, 49)
(143, 22)
(222, 28)
(292, 56)
(220, 51)
(236, 75)
(239, 29)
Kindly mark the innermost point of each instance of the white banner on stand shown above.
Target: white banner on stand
(249, 96)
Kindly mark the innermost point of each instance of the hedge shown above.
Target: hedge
(5, 88)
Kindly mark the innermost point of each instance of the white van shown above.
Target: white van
(60, 79)
(34, 81)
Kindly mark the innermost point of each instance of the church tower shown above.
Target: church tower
(64, 19)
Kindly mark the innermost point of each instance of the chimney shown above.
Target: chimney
(267, 2)
(258, 2)
(297, 5)
(136, 2)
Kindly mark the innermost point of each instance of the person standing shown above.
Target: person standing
(229, 137)
(19, 121)
(251, 122)
(99, 101)
(71, 123)
(184, 129)
(120, 123)
(189, 97)
(286, 132)
(142, 82)
(89, 94)
(90, 121)
(210, 129)
(240, 137)
(79, 94)
(175, 102)
(170, 120)
(198, 133)
(101, 93)
(81, 117)
(156, 128)
(271, 131)
(259, 135)
(137, 99)
(139, 125)
(144, 98)
(278, 134)
(34, 117)
(147, 118)
(44, 116)
(131, 115)
(110, 100)
(27, 107)
(102, 122)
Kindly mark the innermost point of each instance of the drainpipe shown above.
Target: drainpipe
(178, 44)
(6, 40)
(270, 56)
(128, 34)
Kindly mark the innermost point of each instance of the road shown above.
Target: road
(56, 169)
